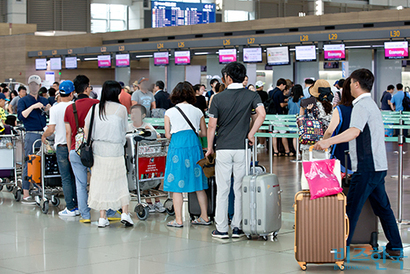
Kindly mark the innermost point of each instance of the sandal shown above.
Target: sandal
(174, 224)
(276, 154)
(200, 221)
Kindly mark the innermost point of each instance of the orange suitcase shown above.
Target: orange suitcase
(321, 229)
(34, 169)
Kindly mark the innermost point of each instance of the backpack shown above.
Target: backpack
(406, 102)
(270, 106)
(80, 137)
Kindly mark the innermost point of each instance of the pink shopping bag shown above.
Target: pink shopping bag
(321, 179)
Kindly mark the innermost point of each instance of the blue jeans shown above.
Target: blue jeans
(29, 139)
(371, 185)
(80, 173)
(67, 177)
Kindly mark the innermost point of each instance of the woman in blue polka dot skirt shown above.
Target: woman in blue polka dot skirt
(182, 174)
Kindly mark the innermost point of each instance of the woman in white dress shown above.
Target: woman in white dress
(108, 185)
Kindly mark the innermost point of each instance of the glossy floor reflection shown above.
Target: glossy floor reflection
(31, 242)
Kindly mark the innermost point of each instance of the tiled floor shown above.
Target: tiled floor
(31, 242)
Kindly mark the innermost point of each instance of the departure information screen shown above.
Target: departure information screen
(170, 14)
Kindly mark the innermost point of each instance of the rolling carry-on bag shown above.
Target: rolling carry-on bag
(261, 202)
(321, 229)
(193, 204)
(368, 225)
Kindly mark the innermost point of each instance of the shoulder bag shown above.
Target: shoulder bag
(86, 151)
(187, 120)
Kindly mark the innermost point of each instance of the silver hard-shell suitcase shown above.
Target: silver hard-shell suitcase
(261, 203)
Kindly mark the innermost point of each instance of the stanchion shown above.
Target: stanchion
(401, 140)
(270, 148)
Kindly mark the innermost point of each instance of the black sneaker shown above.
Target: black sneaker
(220, 235)
(237, 233)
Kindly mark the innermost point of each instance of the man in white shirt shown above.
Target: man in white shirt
(56, 125)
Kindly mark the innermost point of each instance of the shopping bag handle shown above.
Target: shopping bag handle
(311, 153)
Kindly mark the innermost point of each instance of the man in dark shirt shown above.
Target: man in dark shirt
(230, 112)
(259, 89)
(280, 103)
(386, 98)
(31, 111)
(161, 97)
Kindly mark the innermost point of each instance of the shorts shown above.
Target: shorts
(279, 131)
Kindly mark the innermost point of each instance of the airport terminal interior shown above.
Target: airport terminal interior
(156, 45)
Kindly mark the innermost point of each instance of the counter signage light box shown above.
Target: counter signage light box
(122, 60)
(55, 63)
(70, 62)
(396, 50)
(104, 61)
(252, 55)
(161, 58)
(227, 56)
(278, 56)
(182, 57)
(305, 53)
(41, 64)
(334, 52)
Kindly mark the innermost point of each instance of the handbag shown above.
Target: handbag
(336, 170)
(79, 138)
(187, 120)
(208, 165)
(86, 151)
(310, 130)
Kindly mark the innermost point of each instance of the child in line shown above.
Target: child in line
(138, 113)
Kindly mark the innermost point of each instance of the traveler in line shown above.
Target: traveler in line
(83, 105)
(22, 91)
(144, 97)
(308, 83)
(245, 82)
(182, 173)
(369, 163)
(230, 113)
(340, 122)
(56, 125)
(31, 111)
(279, 101)
(161, 96)
(200, 99)
(294, 104)
(108, 184)
(396, 102)
(209, 94)
(386, 98)
(338, 94)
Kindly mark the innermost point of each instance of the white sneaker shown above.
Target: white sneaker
(261, 146)
(151, 208)
(28, 201)
(77, 212)
(103, 222)
(67, 213)
(159, 207)
(126, 219)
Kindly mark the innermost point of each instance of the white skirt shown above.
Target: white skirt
(108, 184)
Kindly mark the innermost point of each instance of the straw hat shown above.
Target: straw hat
(320, 83)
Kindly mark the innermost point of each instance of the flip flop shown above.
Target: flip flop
(174, 224)
(200, 221)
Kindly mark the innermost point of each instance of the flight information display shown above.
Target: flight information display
(170, 14)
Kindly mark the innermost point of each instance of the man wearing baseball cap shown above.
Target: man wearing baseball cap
(31, 111)
(259, 89)
(56, 125)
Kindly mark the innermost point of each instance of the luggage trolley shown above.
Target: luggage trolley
(149, 164)
(8, 162)
(48, 176)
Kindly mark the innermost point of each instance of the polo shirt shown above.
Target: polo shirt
(397, 100)
(36, 120)
(83, 105)
(368, 150)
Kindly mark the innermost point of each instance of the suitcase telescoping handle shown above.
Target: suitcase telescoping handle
(248, 163)
(311, 153)
(347, 152)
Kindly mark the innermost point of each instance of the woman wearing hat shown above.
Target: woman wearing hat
(321, 110)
